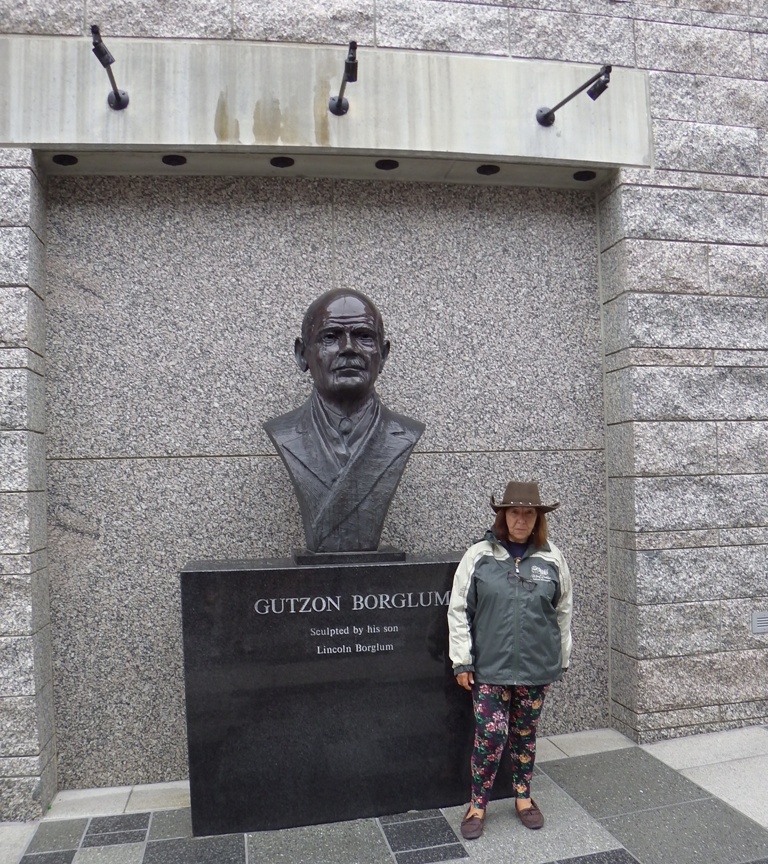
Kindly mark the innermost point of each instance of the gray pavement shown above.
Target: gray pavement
(606, 801)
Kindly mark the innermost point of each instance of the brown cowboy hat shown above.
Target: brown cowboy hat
(523, 495)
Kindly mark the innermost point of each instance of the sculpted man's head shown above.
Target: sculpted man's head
(342, 345)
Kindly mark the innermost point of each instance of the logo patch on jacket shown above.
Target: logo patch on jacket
(540, 574)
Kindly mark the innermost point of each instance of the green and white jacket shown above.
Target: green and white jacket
(509, 620)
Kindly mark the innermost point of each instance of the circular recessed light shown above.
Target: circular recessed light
(174, 159)
(584, 176)
(282, 162)
(387, 164)
(488, 170)
(65, 159)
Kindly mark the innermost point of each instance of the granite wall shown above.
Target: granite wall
(513, 313)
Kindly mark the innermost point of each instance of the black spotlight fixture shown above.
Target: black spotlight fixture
(387, 164)
(65, 159)
(338, 105)
(599, 84)
(282, 162)
(584, 176)
(488, 170)
(117, 99)
(174, 160)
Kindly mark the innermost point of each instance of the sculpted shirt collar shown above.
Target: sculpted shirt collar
(331, 426)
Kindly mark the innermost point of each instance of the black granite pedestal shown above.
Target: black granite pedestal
(320, 693)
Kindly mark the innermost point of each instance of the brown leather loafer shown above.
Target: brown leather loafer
(472, 827)
(532, 817)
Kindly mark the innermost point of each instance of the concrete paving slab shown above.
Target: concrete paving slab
(590, 741)
(712, 747)
(690, 833)
(14, 837)
(546, 750)
(171, 824)
(568, 831)
(89, 802)
(742, 783)
(621, 781)
(55, 836)
(159, 796)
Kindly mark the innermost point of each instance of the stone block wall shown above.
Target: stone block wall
(27, 744)
(671, 329)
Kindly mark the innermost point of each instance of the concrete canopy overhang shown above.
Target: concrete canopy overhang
(231, 107)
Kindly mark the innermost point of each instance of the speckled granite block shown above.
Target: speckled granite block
(65, 17)
(659, 357)
(437, 26)
(188, 19)
(742, 448)
(21, 258)
(675, 448)
(22, 400)
(666, 539)
(22, 522)
(22, 319)
(706, 147)
(667, 630)
(576, 38)
(739, 270)
(680, 214)
(678, 48)
(720, 100)
(705, 394)
(674, 96)
(21, 358)
(25, 608)
(15, 196)
(21, 732)
(16, 666)
(22, 462)
(736, 623)
(647, 265)
(701, 502)
(760, 55)
(16, 157)
(305, 21)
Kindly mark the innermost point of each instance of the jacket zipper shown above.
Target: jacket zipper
(516, 670)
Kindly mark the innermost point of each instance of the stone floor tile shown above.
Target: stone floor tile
(58, 836)
(614, 856)
(421, 834)
(115, 838)
(621, 781)
(124, 822)
(430, 856)
(50, 858)
(690, 833)
(170, 824)
(356, 842)
(742, 783)
(88, 802)
(225, 849)
(14, 837)
(590, 741)
(129, 853)
(159, 796)
(712, 747)
(410, 816)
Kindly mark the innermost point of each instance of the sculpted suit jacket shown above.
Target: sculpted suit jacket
(343, 509)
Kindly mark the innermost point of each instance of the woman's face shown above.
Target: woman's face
(520, 522)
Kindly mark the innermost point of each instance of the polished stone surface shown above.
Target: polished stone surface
(340, 672)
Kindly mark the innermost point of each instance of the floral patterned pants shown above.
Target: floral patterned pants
(505, 721)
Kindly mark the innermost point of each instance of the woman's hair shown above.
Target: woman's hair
(538, 535)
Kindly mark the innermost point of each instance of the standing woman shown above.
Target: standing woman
(509, 620)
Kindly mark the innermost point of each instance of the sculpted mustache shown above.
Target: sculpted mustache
(349, 364)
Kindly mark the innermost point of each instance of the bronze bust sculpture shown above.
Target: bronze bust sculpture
(344, 450)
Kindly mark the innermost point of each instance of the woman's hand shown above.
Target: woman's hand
(465, 680)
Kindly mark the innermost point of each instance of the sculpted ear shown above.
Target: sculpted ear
(298, 354)
(384, 353)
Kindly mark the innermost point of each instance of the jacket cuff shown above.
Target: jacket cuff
(457, 670)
